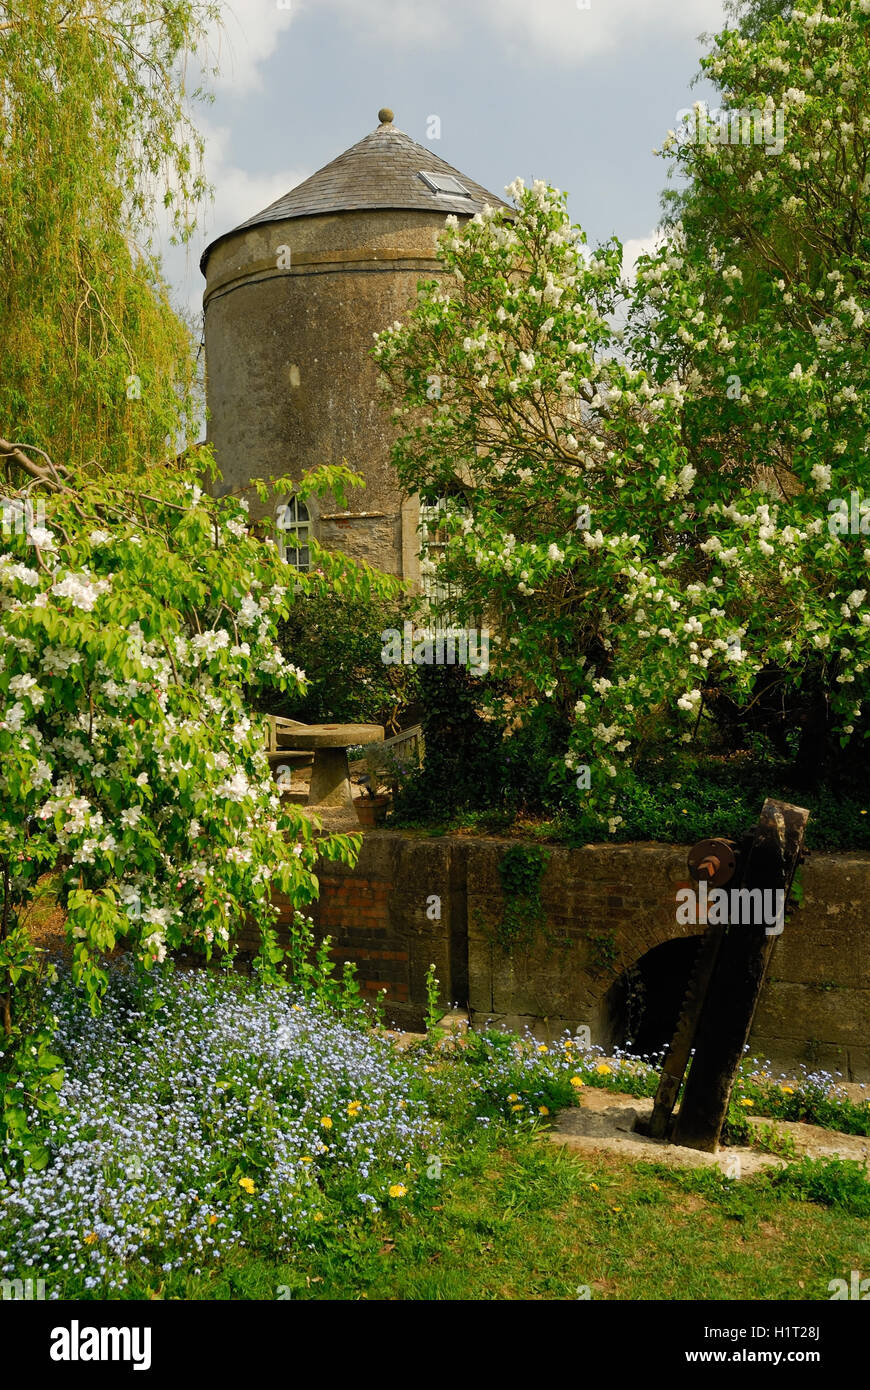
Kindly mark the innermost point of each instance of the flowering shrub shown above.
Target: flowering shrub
(645, 512)
(758, 303)
(200, 1113)
(136, 625)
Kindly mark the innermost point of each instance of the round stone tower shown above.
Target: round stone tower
(292, 299)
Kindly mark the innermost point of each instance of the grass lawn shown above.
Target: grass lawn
(526, 1219)
(220, 1138)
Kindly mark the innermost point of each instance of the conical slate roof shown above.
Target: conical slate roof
(384, 170)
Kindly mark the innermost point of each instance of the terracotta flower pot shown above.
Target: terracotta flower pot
(372, 810)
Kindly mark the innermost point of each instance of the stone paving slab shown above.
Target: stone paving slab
(604, 1122)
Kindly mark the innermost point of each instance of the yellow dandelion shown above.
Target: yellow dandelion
(318, 1216)
(788, 1090)
(326, 1121)
(747, 1101)
(398, 1189)
(603, 1069)
(354, 1108)
(542, 1110)
(594, 1186)
(513, 1096)
(516, 1107)
(617, 1209)
(542, 1047)
(91, 1238)
(306, 1158)
(247, 1184)
(576, 1081)
(212, 1220)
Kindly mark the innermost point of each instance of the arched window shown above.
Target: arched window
(294, 526)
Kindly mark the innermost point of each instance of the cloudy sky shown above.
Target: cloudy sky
(577, 92)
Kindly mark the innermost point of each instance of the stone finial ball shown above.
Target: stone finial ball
(385, 115)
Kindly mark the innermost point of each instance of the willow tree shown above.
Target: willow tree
(96, 133)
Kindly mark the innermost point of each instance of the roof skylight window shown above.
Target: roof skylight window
(445, 183)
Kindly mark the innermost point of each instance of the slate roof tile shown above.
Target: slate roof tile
(381, 171)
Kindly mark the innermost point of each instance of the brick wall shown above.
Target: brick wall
(606, 907)
(378, 917)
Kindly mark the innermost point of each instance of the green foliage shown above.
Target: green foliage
(674, 799)
(309, 967)
(831, 1182)
(604, 951)
(94, 363)
(462, 742)
(531, 765)
(678, 801)
(521, 869)
(434, 1009)
(336, 639)
(30, 1071)
(774, 1141)
(736, 1129)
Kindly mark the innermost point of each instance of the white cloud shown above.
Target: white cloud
(565, 33)
(238, 195)
(247, 37)
(636, 247)
(556, 29)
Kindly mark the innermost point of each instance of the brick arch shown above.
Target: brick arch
(639, 1011)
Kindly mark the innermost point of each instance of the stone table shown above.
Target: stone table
(330, 776)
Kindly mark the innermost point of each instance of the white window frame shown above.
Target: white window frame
(436, 183)
(294, 521)
(438, 596)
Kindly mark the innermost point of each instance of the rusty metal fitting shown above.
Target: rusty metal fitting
(713, 861)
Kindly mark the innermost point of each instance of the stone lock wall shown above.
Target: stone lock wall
(378, 917)
(413, 900)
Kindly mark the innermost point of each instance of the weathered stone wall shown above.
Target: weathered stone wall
(291, 383)
(605, 907)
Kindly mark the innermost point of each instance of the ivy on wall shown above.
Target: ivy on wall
(521, 869)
